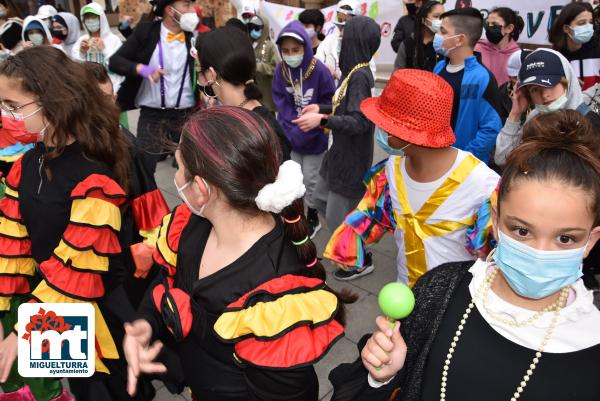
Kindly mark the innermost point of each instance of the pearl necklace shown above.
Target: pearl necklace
(497, 317)
(483, 289)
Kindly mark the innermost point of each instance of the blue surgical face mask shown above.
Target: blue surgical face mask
(582, 34)
(255, 34)
(382, 140)
(293, 61)
(197, 212)
(533, 273)
(438, 45)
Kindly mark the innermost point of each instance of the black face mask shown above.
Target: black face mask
(58, 34)
(493, 33)
(411, 8)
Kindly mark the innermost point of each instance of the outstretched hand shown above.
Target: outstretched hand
(139, 353)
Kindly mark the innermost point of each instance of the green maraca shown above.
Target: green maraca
(396, 301)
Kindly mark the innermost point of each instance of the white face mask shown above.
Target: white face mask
(92, 25)
(197, 212)
(36, 38)
(556, 105)
(187, 21)
(436, 25)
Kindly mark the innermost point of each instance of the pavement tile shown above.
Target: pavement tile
(343, 351)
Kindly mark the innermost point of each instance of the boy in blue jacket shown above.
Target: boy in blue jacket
(475, 112)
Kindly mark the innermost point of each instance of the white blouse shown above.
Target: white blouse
(578, 325)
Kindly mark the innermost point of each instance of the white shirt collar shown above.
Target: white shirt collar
(578, 325)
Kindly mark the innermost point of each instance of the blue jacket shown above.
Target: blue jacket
(478, 122)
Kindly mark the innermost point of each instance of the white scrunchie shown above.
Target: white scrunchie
(288, 186)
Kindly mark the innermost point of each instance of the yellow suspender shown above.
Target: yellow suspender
(415, 227)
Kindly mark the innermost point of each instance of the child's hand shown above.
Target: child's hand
(308, 121)
(519, 104)
(8, 354)
(311, 108)
(385, 352)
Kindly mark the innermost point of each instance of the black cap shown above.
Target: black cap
(542, 68)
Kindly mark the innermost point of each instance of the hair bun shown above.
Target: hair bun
(564, 129)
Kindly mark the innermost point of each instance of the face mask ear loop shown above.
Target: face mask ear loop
(490, 256)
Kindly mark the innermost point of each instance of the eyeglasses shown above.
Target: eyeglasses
(12, 110)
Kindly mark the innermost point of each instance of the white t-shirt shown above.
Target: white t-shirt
(458, 207)
(418, 192)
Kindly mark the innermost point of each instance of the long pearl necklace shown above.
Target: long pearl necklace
(483, 290)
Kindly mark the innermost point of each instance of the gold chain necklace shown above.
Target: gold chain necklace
(288, 78)
(485, 286)
(342, 91)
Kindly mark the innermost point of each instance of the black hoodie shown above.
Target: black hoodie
(351, 154)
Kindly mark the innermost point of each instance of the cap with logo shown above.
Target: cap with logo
(542, 68)
(248, 10)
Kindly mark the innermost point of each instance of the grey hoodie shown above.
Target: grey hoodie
(510, 135)
(73, 31)
(267, 57)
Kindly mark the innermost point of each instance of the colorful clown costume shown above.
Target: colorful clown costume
(429, 220)
(60, 225)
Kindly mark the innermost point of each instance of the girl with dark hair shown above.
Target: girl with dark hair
(523, 312)
(226, 71)
(243, 292)
(60, 218)
(416, 51)
(502, 30)
(571, 34)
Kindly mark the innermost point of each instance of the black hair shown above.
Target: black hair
(424, 10)
(557, 35)
(312, 16)
(511, 17)
(11, 35)
(229, 51)
(467, 21)
(237, 23)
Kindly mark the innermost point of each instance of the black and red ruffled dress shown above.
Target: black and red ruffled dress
(60, 222)
(250, 331)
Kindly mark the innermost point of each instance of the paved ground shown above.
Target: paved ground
(361, 315)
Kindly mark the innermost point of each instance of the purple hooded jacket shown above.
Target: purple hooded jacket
(318, 88)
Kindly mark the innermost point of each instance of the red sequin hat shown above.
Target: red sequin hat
(415, 106)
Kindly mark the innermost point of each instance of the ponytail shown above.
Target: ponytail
(296, 230)
(511, 17)
(252, 91)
